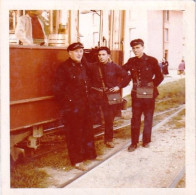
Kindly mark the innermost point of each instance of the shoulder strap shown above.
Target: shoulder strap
(101, 76)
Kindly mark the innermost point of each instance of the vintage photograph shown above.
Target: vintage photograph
(98, 99)
(80, 82)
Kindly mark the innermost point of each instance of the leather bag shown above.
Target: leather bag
(114, 98)
(144, 92)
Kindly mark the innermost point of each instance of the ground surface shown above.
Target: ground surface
(153, 167)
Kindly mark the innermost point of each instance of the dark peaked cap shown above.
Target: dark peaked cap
(74, 46)
(136, 42)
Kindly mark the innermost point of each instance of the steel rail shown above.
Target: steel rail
(177, 179)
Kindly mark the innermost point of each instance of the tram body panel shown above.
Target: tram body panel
(31, 78)
(32, 70)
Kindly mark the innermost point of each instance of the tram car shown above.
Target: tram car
(33, 110)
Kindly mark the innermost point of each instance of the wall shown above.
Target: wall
(175, 45)
(31, 79)
(136, 26)
(155, 34)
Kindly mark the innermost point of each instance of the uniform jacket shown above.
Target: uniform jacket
(71, 85)
(113, 75)
(24, 30)
(146, 70)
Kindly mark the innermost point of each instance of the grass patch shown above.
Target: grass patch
(172, 89)
(58, 159)
(157, 119)
(27, 176)
(177, 122)
(100, 147)
(123, 133)
(170, 95)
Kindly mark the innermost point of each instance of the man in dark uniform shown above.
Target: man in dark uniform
(165, 65)
(144, 71)
(114, 78)
(71, 88)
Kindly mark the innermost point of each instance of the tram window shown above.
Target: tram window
(55, 23)
(12, 25)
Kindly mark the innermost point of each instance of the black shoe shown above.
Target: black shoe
(146, 145)
(132, 147)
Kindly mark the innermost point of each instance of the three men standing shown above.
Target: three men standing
(146, 74)
(78, 85)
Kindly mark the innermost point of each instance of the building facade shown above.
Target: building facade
(162, 32)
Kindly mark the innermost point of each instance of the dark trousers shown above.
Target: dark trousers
(80, 136)
(109, 113)
(139, 106)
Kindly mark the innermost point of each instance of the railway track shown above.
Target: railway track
(99, 134)
(173, 182)
(129, 122)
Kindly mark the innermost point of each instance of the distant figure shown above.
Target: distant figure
(181, 68)
(165, 65)
(30, 29)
